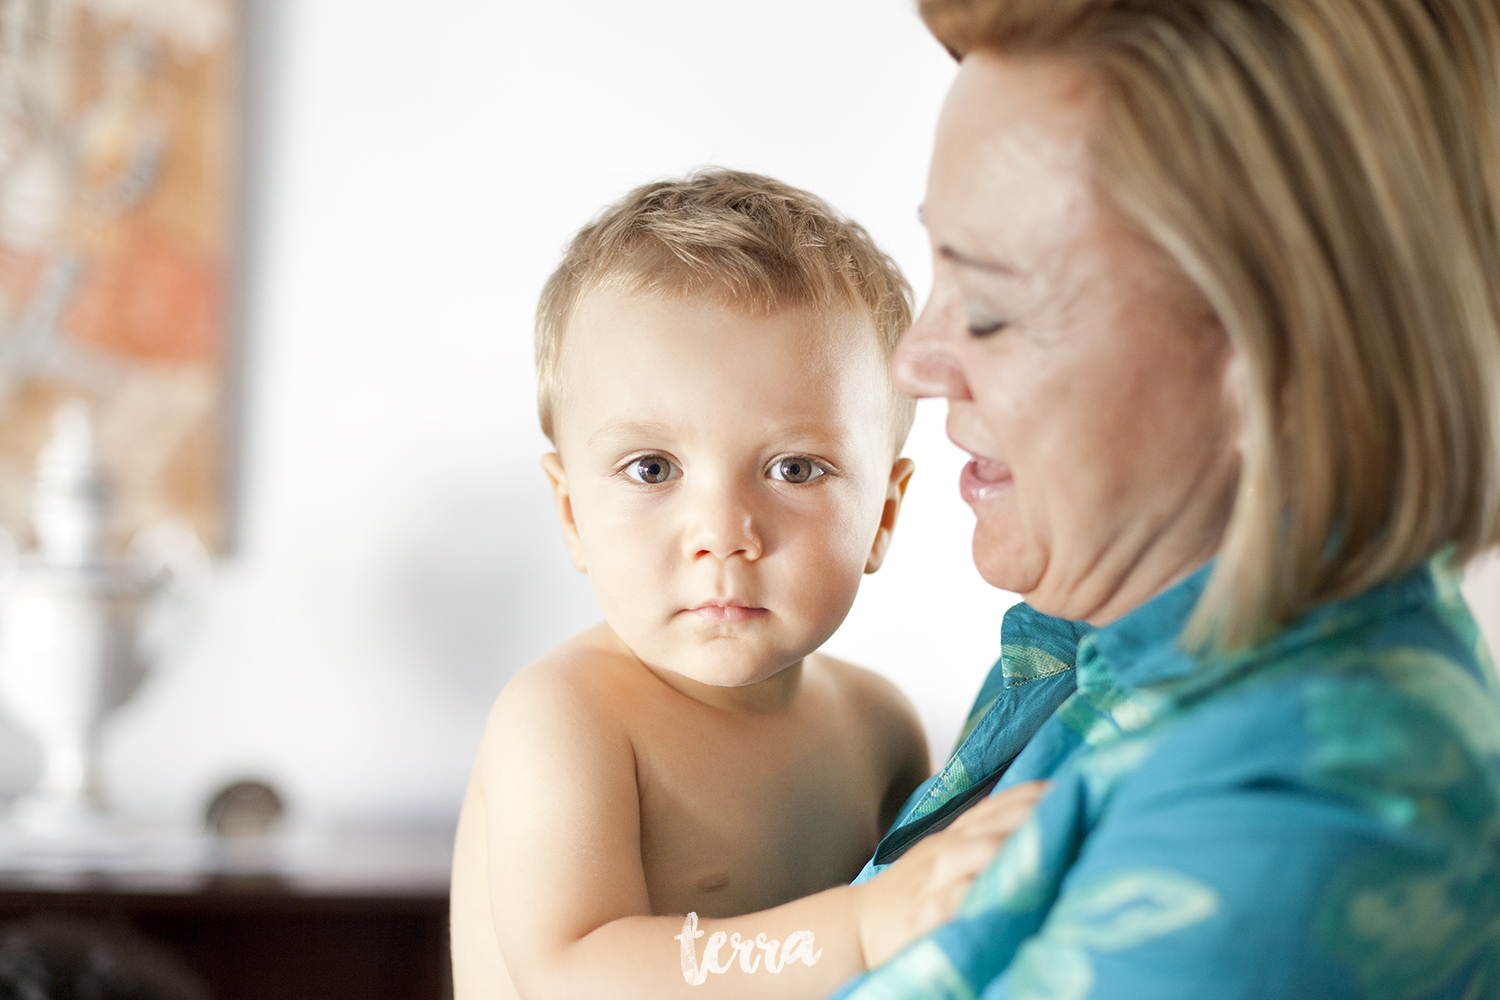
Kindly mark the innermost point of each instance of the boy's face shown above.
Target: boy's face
(724, 478)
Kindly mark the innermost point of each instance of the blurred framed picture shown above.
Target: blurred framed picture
(117, 127)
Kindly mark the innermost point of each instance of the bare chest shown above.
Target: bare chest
(741, 819)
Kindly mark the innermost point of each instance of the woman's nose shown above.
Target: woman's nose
(924, 363)
(722, 526)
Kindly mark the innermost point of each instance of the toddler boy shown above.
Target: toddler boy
(713, 367)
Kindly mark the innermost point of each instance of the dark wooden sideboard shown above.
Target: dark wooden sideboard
(364, 915)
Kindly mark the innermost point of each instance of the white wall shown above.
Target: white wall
(415, 170)
(419, 168)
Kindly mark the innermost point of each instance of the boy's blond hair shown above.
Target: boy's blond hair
(749, 241)
(1328, 173)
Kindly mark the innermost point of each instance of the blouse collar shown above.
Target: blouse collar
(1143, 647)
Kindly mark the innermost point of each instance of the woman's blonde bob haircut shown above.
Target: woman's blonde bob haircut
(743, 239)
(1328, 173)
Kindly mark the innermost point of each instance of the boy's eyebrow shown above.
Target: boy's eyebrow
(631, 428)
(650, 429)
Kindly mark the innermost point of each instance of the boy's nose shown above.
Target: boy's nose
(722, 528)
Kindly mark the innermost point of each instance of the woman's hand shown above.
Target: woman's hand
(925, 886)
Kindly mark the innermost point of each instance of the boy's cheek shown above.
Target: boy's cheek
(606, 522)
(630, 575)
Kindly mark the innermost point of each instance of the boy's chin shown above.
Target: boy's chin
(731, 672)
(738, 684)
(719, 676)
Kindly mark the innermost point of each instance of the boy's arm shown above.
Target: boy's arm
(478, 967)
(571, 909)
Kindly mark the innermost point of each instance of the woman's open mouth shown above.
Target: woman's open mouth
(982, 479)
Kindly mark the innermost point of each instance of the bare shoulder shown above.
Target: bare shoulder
(583, 673)
(573, 692)
(863, 691)
(886, 722)
(872, 703)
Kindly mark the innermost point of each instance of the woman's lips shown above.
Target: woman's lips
(981, 480)
(727, 612)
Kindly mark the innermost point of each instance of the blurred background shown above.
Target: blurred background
(405, 178)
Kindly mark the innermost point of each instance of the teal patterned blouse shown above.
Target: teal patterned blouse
(1316, 817)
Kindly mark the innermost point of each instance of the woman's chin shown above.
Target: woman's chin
(1004, 560)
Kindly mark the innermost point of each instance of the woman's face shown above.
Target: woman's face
(1085, 375)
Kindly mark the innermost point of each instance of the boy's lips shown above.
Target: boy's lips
(727, 611)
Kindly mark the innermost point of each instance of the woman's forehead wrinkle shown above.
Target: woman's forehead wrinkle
(962, 259)
(1011, 195)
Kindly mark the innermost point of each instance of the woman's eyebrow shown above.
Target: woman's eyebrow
(964, 260)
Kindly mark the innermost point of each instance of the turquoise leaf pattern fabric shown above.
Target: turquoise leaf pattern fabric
(1033, 676)
(1318, 816)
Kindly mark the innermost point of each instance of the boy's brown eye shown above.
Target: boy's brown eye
(795, 469)
(651, 469)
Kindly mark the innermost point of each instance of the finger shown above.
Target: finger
(961, 860)
(1030, 790)
(1029, 793)
(998, 820)
(970, 843)
(1026, 791)
(995, 808)
(1038, 787)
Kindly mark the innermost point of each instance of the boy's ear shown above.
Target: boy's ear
(552, 465)
(895, 491)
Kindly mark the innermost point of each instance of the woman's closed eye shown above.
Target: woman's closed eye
(651, 470)
(796, 469)
(983, 320)
(986, 328)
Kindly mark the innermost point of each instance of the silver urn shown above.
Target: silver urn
(80, 629)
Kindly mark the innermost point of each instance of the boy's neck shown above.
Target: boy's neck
(774, 694)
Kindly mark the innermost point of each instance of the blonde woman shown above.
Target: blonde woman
(1217, 314)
